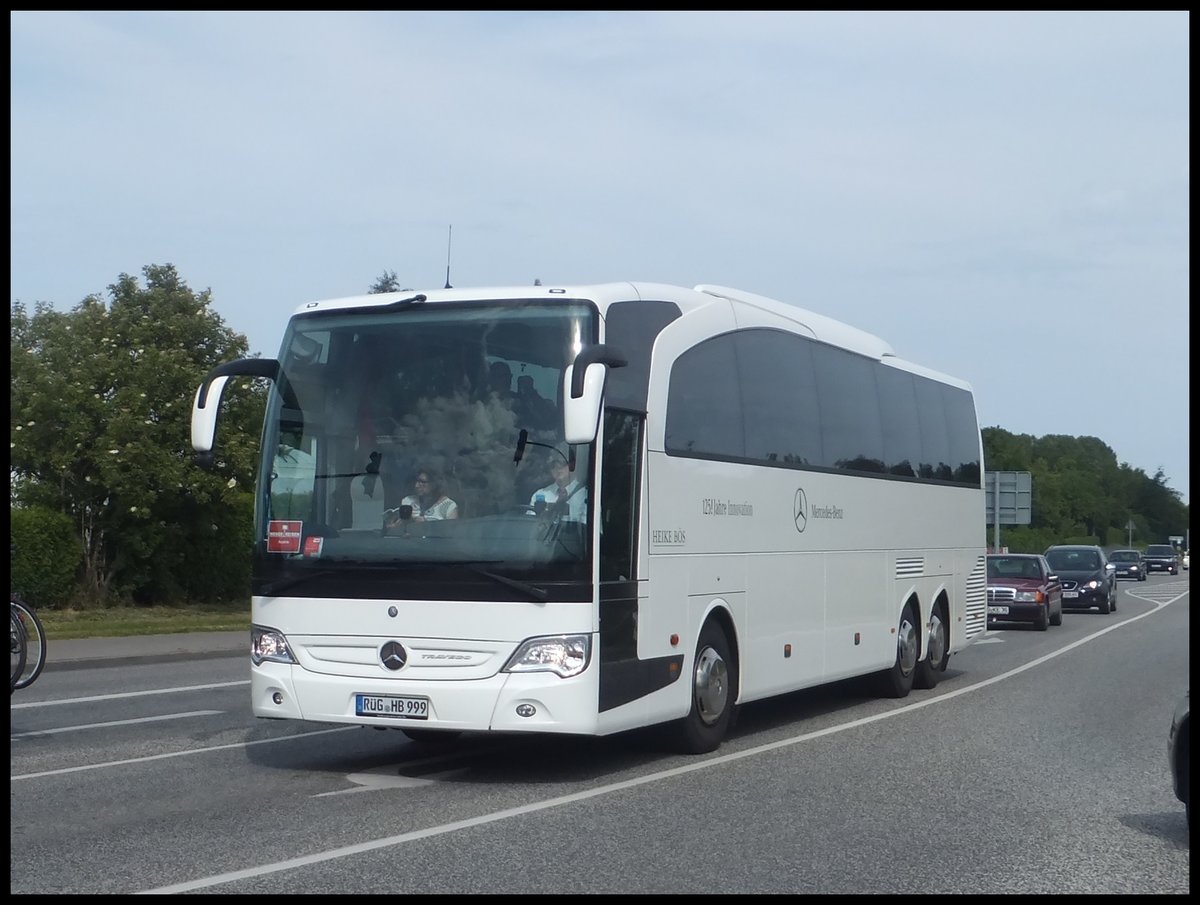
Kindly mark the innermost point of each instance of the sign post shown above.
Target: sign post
(1009, 496)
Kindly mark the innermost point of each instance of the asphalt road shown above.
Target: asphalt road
(1038, 766)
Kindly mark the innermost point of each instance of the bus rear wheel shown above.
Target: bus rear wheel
(713, 692)
(929, 671)
(897, 680)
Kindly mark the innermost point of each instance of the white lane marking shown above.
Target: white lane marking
(388, 778)
(144, 719)
(129, 694)
(140, 760)
(484, 819)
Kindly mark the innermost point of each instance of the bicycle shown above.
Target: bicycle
(35, 642)
(18, 648)
(24, 616)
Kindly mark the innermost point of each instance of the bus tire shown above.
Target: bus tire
(713, 693)
(929, 671)
(897, 680)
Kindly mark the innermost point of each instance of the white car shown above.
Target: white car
(1184, 559)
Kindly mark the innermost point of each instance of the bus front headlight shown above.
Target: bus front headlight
(269, 644)
(563, 655)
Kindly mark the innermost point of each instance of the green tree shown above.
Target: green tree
(1081, 492)
(387, 282)
(101, 407)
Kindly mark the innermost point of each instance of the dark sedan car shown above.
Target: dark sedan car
(1088, 578)
(1022, 588)
(1129, 564)
(1161, 558)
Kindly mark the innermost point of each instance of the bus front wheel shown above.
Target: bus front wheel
(713, 692)
(897, 680)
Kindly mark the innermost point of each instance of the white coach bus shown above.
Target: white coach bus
(763, 500)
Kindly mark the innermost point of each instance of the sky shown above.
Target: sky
(1001, 196)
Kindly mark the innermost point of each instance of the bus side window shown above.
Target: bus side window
(618, 495)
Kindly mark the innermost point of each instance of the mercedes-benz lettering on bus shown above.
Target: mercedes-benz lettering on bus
(755, 499)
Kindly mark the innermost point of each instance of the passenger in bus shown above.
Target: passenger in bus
(500, 381)
(426, 504)
(533, 410)
(565, 496)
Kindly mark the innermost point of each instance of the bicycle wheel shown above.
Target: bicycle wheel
(35, 644)
(17, 648)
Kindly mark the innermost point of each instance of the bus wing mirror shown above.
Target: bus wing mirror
(584, 384)
(204, 418)
(207, 404)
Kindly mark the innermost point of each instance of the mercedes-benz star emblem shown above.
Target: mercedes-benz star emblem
(800, 510)
(393, 655)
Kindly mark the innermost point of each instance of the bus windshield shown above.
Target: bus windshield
(425, 438)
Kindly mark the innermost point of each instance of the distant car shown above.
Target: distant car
(1088, 578)
(1161, 558)
(1178, 753)
(1022, 588)
(1184, 559)
(1129, 564)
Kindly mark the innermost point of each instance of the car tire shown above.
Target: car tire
(1056, 618)
(1112, 599)
(1042, 622)
(1104, 605)
(897, 680)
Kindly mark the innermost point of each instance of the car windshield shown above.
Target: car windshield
(1013, 567)
(1160, 550)
(1124, 556)
(1073, 560)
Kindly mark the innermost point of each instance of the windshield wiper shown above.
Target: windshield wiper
(524, 587)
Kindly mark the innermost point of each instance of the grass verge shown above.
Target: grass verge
(143, 620)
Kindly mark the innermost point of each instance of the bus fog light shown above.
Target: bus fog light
(563, 655)
(269, 644)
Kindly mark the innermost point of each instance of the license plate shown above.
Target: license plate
(391, 705)
(997, 611)
(1069, 594)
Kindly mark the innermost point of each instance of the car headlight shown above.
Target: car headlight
(269, 644)
(563, 655)
(1029, 597)
(1093, 584)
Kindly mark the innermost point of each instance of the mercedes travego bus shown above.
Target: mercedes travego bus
(764, 500)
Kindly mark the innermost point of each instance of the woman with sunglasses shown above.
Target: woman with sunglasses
(427, 503)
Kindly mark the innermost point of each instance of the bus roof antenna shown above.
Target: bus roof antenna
(449, 236)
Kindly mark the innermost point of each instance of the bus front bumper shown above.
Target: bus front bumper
(504, 702)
